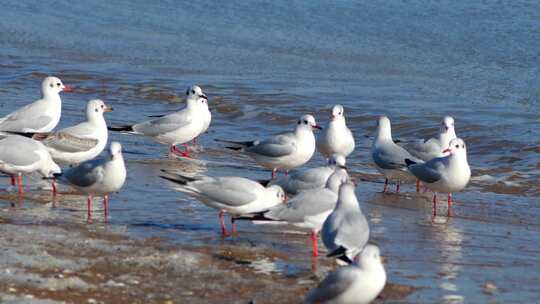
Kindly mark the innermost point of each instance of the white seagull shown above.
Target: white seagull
(231, 194)
(312, 178)
(283, 151)
(98, 177)
(433, 147)
(309, 209)
(40, 116)
(445, 174)
(345, 231)
(175, 128)
(81, 142)
(20, 155)
(336, 138)
(388, 157)
(359, 283)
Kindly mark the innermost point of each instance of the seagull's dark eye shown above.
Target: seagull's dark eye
(305, 122)
(97, 110)
(463, 146)
(52, 85)
(457, 146)
(102, 106)
(299, 122)
(192, 91)
(58, 84)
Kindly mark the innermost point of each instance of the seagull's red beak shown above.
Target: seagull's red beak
(447, 150)
(67, 89)
(204, 96)
(317, 127)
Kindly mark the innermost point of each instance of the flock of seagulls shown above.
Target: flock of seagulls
(321, 200)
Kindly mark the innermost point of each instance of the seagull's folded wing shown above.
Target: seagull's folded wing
(165, 124)
(65, 142)
(276, 146)
(230, 191)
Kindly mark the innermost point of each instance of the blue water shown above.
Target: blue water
(264, 64)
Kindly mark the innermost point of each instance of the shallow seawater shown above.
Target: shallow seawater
(265, 65)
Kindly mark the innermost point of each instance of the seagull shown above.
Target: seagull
(433, 147)
(445, 174)
(235, 195)
(312, 178)
(207, 118)
(40, 116)
(309, 209)
(336, 138)
(389, 158)
(175, 128)
(98, 177)
(345, 231)
(21, 155)
(360, 282)
(80, 142)
(284, 151)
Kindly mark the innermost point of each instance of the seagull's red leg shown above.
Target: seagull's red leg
(20, 184)
(314, 244)
(385, 185)
(106, 206)
(89, 208)
(175, 150)
(54, 188)
(450, 213)
(233, 225)
(417, 185)
(274, 172)
(397, 187)
(13, 181)
(222, 222)
(434, 203)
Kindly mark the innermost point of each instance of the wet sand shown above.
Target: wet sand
(79, 263)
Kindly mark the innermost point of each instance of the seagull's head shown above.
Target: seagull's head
(53, 85)
(196, 93)
(115, 150)
(337, 160)
(50, 167)
(447, 124)
(278, 192)
(369, 258)
(97, 107)
(337, 112)
(384, 128)
(339, 177)
(308, 122)
(456, 147)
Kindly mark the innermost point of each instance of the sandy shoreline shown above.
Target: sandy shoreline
(78, 263)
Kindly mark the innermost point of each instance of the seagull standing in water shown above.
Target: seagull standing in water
(283, 151)
(98, 177)
(231, 194)
(175, 128)
(309, 209)
(359, 283)
(433, 147)
(345, 231)
(388, 157)
(445, 174)
(336, 138)
(20, 155)
(41, 115)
